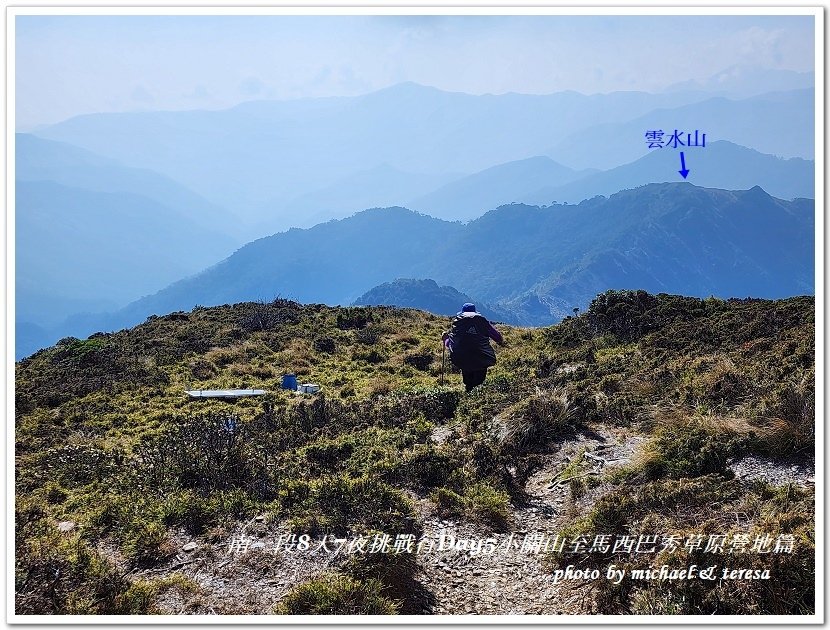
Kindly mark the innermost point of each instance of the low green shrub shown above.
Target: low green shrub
(336, 594)
(65, 576)
(480, 502)
(538, 419)
(687, 509)
(684, 446)
(396, 571)
(489, 505)
(449, 503)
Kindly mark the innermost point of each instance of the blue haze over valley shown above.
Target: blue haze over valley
(383, 179)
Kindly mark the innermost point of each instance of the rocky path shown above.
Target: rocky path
(511, 579)
(778, 473)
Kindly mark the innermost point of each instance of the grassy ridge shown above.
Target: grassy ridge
(105, 437)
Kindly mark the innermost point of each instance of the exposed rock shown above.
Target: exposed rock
(774, 472)
(65, 527)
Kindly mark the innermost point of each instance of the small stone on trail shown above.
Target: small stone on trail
(189, 546)
(65, 527)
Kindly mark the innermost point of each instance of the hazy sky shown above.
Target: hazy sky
(70, 65)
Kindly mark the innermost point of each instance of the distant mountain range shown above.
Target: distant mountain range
(537, 263)
(540, 180)
(37, 159)
(777, 123)
(426, 295)
(719, 164)
(380, 186)
(249, 155)
(469, 197)
(746, 80)
(92, 234)
(262, 158)
(113, 207)
(80, 244)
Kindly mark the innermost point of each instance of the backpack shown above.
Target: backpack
(471, 349)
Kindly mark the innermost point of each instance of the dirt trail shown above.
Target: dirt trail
(512, 579)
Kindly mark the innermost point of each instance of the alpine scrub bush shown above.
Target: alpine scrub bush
(193, 511)
(788, 426)
(691, 507)
(449, 502)
(425, 466)
(65, 576)
(354, 317)
(419, 360)
(715, 380)
(479, 502)
(337, 594)
(688, 450)
(368, 335)
(206, 452)
(394, 570)
(538, 419)
(148, 543)
(629, 315)
(142, 594)
(264, 317)
(489, 505)
(339, 504)
(106, 438)
(436, 404)
(790, 588)
(325, 343)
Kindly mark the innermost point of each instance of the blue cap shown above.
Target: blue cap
(469, 307)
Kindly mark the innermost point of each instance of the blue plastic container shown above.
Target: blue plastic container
(289, 381)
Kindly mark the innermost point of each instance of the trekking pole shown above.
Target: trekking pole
(443, 355)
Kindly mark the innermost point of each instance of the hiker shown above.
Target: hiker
(469, 344)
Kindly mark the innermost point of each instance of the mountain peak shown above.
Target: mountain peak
(406, 89)
(427, 295)
(388, 211)
(757, 192)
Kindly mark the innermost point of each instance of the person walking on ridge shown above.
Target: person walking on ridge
(468, 342)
